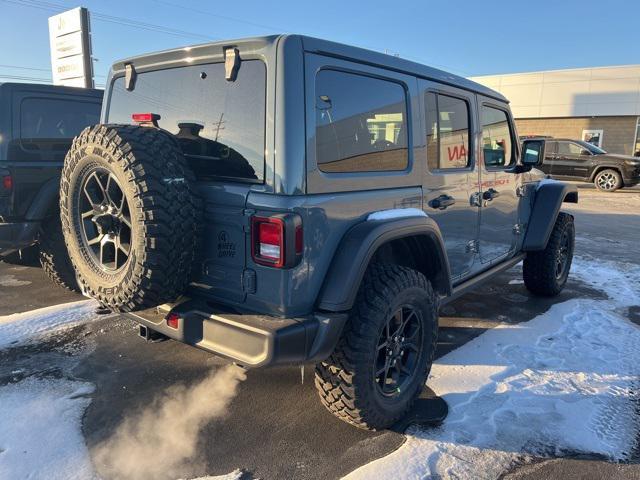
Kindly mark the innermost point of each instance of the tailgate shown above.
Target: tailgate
(223, 241)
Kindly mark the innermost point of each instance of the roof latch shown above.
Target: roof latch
(231, 63)
(129, 77)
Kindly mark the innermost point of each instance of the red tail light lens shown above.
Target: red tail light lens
(268, 241)
(277, 241)
(7, 182)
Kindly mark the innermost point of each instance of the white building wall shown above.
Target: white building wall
(584, 92)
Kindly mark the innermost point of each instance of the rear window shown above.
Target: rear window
(55, 119)
(361, 123)
(219, 124)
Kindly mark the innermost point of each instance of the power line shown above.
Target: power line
(224, 17)
(56, 7)
(26, 68)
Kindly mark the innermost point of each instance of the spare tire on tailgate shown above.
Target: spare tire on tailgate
(129, 215)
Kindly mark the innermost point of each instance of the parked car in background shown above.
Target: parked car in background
(567, 159)
(37, 126)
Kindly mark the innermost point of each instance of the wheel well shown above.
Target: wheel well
(605, 167)
(419, 252)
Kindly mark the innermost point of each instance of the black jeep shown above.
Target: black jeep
(37, 125)
(567, 159)
(287, 200)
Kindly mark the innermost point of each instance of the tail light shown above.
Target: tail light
(277, 241)
(7, 182)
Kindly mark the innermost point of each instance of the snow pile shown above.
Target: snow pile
(40, 430)
(566, 381)
(395, 213)
(22, 327)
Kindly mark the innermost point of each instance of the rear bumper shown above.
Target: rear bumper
(14, 236)
(248, 339)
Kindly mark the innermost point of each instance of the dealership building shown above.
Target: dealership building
(600, 105)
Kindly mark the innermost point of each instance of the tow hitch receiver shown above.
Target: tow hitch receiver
(151, 335)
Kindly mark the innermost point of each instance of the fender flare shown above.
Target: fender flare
(546, 206)
(47, 196)
(360, 243)
(605, 166)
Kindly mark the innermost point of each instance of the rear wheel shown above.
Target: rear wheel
(545, 273)
(129, 215)
(384, 356)
(54, 257)
(608, 180)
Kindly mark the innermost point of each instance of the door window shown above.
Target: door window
(497, 144)
(361, 123)
(447, 132)
(569, 148)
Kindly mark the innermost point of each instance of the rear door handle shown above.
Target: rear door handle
(490, 194)
(442, 202)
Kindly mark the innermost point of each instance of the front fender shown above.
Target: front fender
(357, 248)
(548, 198)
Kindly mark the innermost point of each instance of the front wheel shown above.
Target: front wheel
(545, 273)
(608, 180)
(384, 356)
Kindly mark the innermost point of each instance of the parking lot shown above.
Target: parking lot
(275, 427)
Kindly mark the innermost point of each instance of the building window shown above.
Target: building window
(447, 132)
(361, 123)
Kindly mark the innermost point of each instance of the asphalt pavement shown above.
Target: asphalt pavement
(276, 427)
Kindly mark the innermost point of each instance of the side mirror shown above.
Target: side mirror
(584, 151)
(532, 152)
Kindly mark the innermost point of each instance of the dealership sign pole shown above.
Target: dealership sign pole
(70, 41)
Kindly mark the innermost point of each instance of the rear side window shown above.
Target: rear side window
(447, 132)
(569, 148)
(219, 125)
(47, 119)
(496, 137)
(361, 123)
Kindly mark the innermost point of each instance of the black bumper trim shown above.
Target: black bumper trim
(250, 340)
(14, 236)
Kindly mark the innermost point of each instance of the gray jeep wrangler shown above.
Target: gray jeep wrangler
(291, 200)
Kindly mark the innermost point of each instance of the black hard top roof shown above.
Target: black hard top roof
(326, 47)
(44, 88)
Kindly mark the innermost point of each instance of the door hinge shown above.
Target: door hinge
(472, 247)
(518, 228)
(249, 281)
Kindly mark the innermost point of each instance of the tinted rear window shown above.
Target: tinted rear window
(361, 123)
(54, 119)
(219, 124)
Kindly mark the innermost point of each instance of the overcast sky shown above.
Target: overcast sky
(464, 37)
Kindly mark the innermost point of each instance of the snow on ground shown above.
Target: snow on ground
(22, 327)
(564, 382)
(40, 433)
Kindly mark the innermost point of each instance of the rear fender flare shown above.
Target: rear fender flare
(358, 247)
(546, 206)
(47, 197)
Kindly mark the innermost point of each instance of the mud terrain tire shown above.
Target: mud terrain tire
(347, 382)
(129, 215)
(54, 257)
(545, 273)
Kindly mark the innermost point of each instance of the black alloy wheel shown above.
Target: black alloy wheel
(398, 351)
(105, 220)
